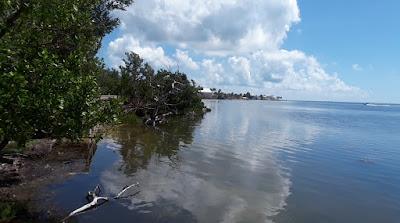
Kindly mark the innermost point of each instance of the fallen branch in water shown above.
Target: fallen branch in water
(125, 189)
(96, 200)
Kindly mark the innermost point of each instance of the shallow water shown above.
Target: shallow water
(250, 161)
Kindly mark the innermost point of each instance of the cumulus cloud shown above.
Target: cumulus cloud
(237, 43)
(184, 58)
(280, 70)
(127, 43)
(295, 70)
(189, 184)
(241, 67)
(356, 67)
(212, 72)
(218, 26)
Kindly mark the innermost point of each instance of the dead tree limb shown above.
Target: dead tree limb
(96, 200)
(124, 190)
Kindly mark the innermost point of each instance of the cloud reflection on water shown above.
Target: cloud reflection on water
(229, 171)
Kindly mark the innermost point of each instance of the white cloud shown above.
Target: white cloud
(356, 67)
(296, 71)
(212, 72)
(291, 73)
(242, 68)
(212, 26)
(152, 54)
(187, 186)
(238, 43)
(184, 58)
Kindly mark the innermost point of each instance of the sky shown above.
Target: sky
(342, 50)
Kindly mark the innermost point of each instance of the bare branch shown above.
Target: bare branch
(95, 203)
(125, 189)
(98, 200)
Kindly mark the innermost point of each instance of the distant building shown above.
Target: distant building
(206, 93)
(212, 93)
(206, 90)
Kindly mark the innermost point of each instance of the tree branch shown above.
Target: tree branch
(97, 200)
(125, 189)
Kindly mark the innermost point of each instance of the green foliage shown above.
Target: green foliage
(130, 118)
(151, 93)
(109, 111)
(8, 211)
(176, 92)
(48, 68)
(109, 82)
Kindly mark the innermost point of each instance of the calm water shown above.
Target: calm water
(251, 161)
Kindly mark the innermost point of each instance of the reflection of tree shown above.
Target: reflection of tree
(140, 143)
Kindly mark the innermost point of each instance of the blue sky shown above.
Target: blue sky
(311, 50)
(341, 33)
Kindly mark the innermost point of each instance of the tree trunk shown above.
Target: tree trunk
(3, 144)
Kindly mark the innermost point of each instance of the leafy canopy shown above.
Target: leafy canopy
(151, 93)
(48, 66)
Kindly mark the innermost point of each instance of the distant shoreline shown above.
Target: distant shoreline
(213, 93)
(349, 102)
(371, 104)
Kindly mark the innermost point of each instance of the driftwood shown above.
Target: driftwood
(119, 195)
(96, 200)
